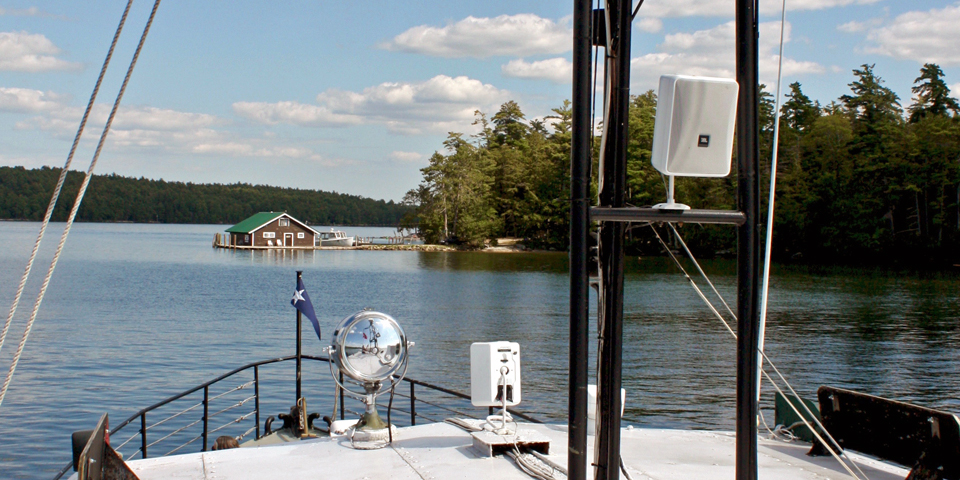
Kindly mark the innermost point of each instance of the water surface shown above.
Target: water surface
(136, 313)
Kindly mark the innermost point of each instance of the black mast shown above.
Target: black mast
(613, 194)
(579, 224)
(612, 213)
(748, 237)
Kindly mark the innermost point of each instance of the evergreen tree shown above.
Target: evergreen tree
(799, 112)
(871, 103)
(933, 95)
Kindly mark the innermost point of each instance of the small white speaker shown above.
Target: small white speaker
(693, 135)
(494, 373)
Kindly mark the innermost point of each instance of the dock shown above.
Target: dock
(362, 243)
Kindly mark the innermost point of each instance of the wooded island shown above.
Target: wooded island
(860, 181)
(25, 194)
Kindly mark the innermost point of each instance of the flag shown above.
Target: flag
(302, 302)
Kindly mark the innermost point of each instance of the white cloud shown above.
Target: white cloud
(254, 149)
(515, 35)
(28, 100)
(954, 89)
(62, 119)
(294, 113)
(930, 36)
(440, 104)
(650, 24)
(712, 53)
(857, 27)
(30, 52)
(144, 129)
(557, 70)
(151, 118)
(406, 157)
(692, 8)
(25, 12)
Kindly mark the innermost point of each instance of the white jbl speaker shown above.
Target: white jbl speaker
(693, 135)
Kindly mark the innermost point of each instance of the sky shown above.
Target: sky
(354, 97)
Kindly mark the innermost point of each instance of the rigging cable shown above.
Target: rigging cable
(635, 10)
(838, 456)
(768, 241)
(768, 247)
(76, 204)
(63, 176)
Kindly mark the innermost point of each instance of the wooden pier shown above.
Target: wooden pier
(362, 243)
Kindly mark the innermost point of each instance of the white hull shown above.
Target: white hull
(441, 451)
(337, 242)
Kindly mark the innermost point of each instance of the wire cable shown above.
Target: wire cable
(838, 456)
(768, 241)
(76, 206)
(62, 179)
(635, 10)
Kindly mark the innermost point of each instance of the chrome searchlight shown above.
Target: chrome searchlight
(370, 350)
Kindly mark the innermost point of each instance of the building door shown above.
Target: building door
(287, 239)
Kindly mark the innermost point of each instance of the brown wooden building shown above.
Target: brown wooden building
(272, 229)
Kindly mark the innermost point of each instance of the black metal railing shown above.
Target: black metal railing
(435, 404)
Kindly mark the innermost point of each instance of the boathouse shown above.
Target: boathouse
(271, 229)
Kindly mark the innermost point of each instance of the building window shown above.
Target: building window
(299, 234)
(246, 239)
(269, 235)
(284, 222)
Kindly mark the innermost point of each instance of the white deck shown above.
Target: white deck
(440, 451)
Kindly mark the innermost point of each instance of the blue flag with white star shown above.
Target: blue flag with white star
(302, 302)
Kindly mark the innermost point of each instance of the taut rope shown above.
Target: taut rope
(76, 204)
(63, 176)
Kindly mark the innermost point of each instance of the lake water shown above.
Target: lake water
(136, 313)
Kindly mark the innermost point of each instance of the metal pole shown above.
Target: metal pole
(256, 397)
(413, 405)
(579, 227)
(341, 396)
(143, 435)
(206, 396)
(748, 268)
(613, 194)
(299, 315)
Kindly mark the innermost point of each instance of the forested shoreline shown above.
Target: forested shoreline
(25, 194)
(861, 180)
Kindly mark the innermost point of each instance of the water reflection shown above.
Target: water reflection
(547, 262)
(123, 327)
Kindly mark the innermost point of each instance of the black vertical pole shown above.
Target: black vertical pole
(143, 435)
(613, 194)
(413, 405)
(206, 416)
(579, 224)
(256, 398)
(748, 268)
(299, 315)
(342, 413)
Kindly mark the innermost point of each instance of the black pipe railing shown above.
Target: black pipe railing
(144, 429)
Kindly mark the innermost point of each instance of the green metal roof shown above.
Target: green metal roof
(255, 221)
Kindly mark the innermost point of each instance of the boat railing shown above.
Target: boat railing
(213, 408)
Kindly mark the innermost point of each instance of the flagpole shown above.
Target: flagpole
(299, 273)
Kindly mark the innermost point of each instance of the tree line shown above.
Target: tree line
(861, 180)
(25, 194)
